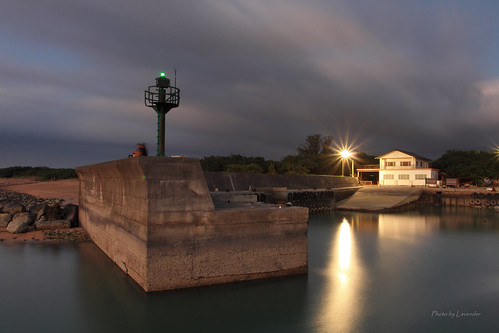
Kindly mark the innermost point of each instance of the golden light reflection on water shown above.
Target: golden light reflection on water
(406, 227)
(344, 246)
(341, 304)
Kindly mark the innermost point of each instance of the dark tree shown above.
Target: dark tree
(362, 158)
(315, 145)
(472, 165)
(314, 157)
(221, 163)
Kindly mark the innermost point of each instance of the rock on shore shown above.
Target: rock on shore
(17, 227)
(5, 219)
(21, 212)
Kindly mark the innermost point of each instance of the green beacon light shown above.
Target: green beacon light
(162, 74)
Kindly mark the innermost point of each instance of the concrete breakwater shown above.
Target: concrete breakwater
(224, 181)
(318, 193)
(155, 218)
(477, 198)
(317, 201)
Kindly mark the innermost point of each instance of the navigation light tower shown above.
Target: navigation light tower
(162, 97)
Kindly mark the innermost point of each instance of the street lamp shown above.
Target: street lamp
(345, 155)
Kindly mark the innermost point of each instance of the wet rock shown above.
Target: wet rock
(17, 227)
(13, 208)
(5, 219)
(53, 224)
(53, 212)
(70, 213)
(24, 217)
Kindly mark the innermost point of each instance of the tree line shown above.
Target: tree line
(37, 173)
(469, 165)
(315, 156)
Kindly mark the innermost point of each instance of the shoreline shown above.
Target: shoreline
(77, 234)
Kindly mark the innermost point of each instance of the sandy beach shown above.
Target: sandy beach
(66, 189)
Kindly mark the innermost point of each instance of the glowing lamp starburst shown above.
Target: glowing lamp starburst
(345, 153)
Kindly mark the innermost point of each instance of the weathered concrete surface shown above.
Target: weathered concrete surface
(227, 245)
(380, 198)
(300, 190)
(234, 197)
(242, 181)
(154, 217)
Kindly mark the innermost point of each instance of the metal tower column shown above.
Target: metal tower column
(162, 97)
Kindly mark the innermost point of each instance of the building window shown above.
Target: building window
(405, 163)
(403, 176)
(421, 176)
(388, 176)
(390, 163)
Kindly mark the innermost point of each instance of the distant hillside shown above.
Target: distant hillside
(37, 173)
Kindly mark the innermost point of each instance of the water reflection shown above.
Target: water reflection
(367, 273)
(424, 221)
(405, 226)
(344, 250)
(341, 302)
(428, 221)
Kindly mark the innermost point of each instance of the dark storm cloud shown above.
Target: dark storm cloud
(256, 77)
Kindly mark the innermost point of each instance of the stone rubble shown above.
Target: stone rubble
(21, 212)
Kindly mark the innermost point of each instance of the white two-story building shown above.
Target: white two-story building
(399, 167)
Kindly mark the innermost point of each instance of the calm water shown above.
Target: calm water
(418, 271)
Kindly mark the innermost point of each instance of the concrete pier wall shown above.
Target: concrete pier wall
(154, 217)
(241, 181)
(318, 193)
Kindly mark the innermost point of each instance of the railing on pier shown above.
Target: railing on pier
(368, 167)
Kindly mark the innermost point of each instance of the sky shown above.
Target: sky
(256, 77)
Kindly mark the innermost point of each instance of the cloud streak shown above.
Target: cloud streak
(256, 76)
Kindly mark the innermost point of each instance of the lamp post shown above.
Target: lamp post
(346, 155)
